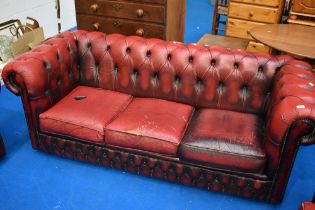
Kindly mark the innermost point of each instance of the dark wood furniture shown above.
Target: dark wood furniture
(295, 39)
(164, 19)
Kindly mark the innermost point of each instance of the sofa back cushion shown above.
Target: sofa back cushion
(206, 77)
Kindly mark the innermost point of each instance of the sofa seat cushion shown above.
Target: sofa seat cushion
(151, 125)
(226, 140)
(86, 118)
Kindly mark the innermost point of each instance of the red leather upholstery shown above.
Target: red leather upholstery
(152, 125)
(292, 100)
(225, 139)
(199, 76)
(43, 76)
(86, 118)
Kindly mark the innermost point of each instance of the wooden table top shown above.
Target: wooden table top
(290, 38)
(223, 41)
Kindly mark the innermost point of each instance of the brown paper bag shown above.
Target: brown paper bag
(27, 42)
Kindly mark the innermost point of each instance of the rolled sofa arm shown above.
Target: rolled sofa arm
(292, 99)
(43, 76)
(290, 122)
(46, 67)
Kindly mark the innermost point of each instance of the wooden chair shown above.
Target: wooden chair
(220, 9)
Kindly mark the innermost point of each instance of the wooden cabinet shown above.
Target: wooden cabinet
(270, 3)
(304, 6)
(244, 15)
(239, 28)
(253, 12)
(302, 12)
(164, 19)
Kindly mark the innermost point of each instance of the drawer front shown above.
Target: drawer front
(304, 6)
(239, 28)
(257, 47)
(150, 1)
(253, 13)
(121, 26)
(270, 3)
(127, 10)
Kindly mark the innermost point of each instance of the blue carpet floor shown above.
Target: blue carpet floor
(31, 180)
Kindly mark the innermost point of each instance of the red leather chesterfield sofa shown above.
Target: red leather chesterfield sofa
(227, 121)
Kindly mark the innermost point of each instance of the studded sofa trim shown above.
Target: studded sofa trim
(169, 170)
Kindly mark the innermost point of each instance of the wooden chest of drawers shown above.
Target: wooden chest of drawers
(302, 12)
(246, 14)
(164, 19)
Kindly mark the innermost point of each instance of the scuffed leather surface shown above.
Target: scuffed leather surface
(152, 125)
(86, 118)
(293, 99)
(210, 77)
(225, 139)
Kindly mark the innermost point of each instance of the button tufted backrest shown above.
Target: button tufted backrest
(201, 76)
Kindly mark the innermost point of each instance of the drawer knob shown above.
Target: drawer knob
(139, 12)
(96, 26)
(94, 7)
(117, 24)
(117, 6)
(140, 32)
(293, 17)
(251, 14)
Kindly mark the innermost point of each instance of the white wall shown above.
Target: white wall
(44, 11)
(67, 14)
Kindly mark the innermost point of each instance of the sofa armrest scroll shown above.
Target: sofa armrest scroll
(43, 76)
(49, 69)
(292, 99)
(13, 81)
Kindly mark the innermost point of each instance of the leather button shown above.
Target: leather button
(199, 81)
(213, 62)
(155, 75)
(148, 53)
(135, 72)
(177, 78)
(190, 59)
